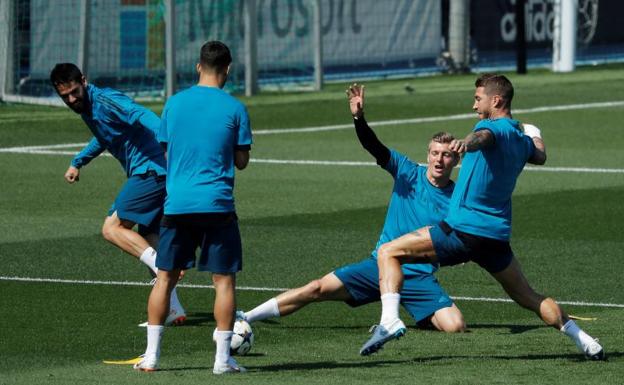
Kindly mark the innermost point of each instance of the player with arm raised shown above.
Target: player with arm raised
(128, 131)
(420, 196)
(478, 225)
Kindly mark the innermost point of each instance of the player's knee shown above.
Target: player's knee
(113, 226)
(455, 325)
(108, 231)
(449, 320)
(384, 252)
(314, 290)
(224, 281)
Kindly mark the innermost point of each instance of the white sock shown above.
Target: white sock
(222, 338)
(263, 311)
(389, 307)
(579, 337)
(174, 302)
(149, 258)
(154, 336)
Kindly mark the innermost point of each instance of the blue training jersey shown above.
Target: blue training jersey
(481, 203)
(124, 128)
(414, 203)
(202, 127)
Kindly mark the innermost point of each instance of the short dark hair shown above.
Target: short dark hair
(215, 55)
(442, 137)
(495, 84)
(63, 73)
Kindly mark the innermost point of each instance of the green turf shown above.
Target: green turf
(300, 221)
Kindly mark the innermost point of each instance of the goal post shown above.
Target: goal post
(564, 35)
(6, 47)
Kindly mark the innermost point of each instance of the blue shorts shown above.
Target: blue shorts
(216, 234)
(421, 295)
(140, 201)
(453, 247)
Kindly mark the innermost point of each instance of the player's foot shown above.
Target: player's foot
(240, 315)
(173, 319)
(593, 351)
(176, 316)
(147, 364)
(230, 366)
(381, 335)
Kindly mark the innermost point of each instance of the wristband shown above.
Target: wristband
(532, 131)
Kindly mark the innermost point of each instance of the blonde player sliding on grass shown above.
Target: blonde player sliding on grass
(478, 224)
(128, 131)
(420, 196)
(207, 134)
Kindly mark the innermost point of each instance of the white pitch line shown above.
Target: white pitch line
(272, 289)
(125, 283)
(354, 163)
(313, 162)
(431, 119)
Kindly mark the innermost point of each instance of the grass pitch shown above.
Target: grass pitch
(300, 221)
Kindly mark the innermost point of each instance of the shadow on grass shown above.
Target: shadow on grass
(368, 363)
(513, 329)
(199, 318)
(451, 359)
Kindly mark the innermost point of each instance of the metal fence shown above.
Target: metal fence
(150, 47)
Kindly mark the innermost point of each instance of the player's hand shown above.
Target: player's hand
(72, 174)
(355, 94)
(458, 146)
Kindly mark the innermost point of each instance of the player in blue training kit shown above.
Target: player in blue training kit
(478, 225)
(128, 131)
(420, 197)
(207, 134)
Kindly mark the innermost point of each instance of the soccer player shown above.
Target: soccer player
(478, 225)
(207, 134)
(128, 131)
(420, 196)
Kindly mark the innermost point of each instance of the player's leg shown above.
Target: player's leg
(428, 303)
(224, 309)
(415, 247)
(157, 310)
(516, 285)
(119, 233)
(177, 314)
(221, 254)
(139, 201)
(225, 300)
(159, 299)
(449, 320)
(176, 252)
(328, 288)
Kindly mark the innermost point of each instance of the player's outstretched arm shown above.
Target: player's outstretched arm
(539, 155)
(365, 134)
